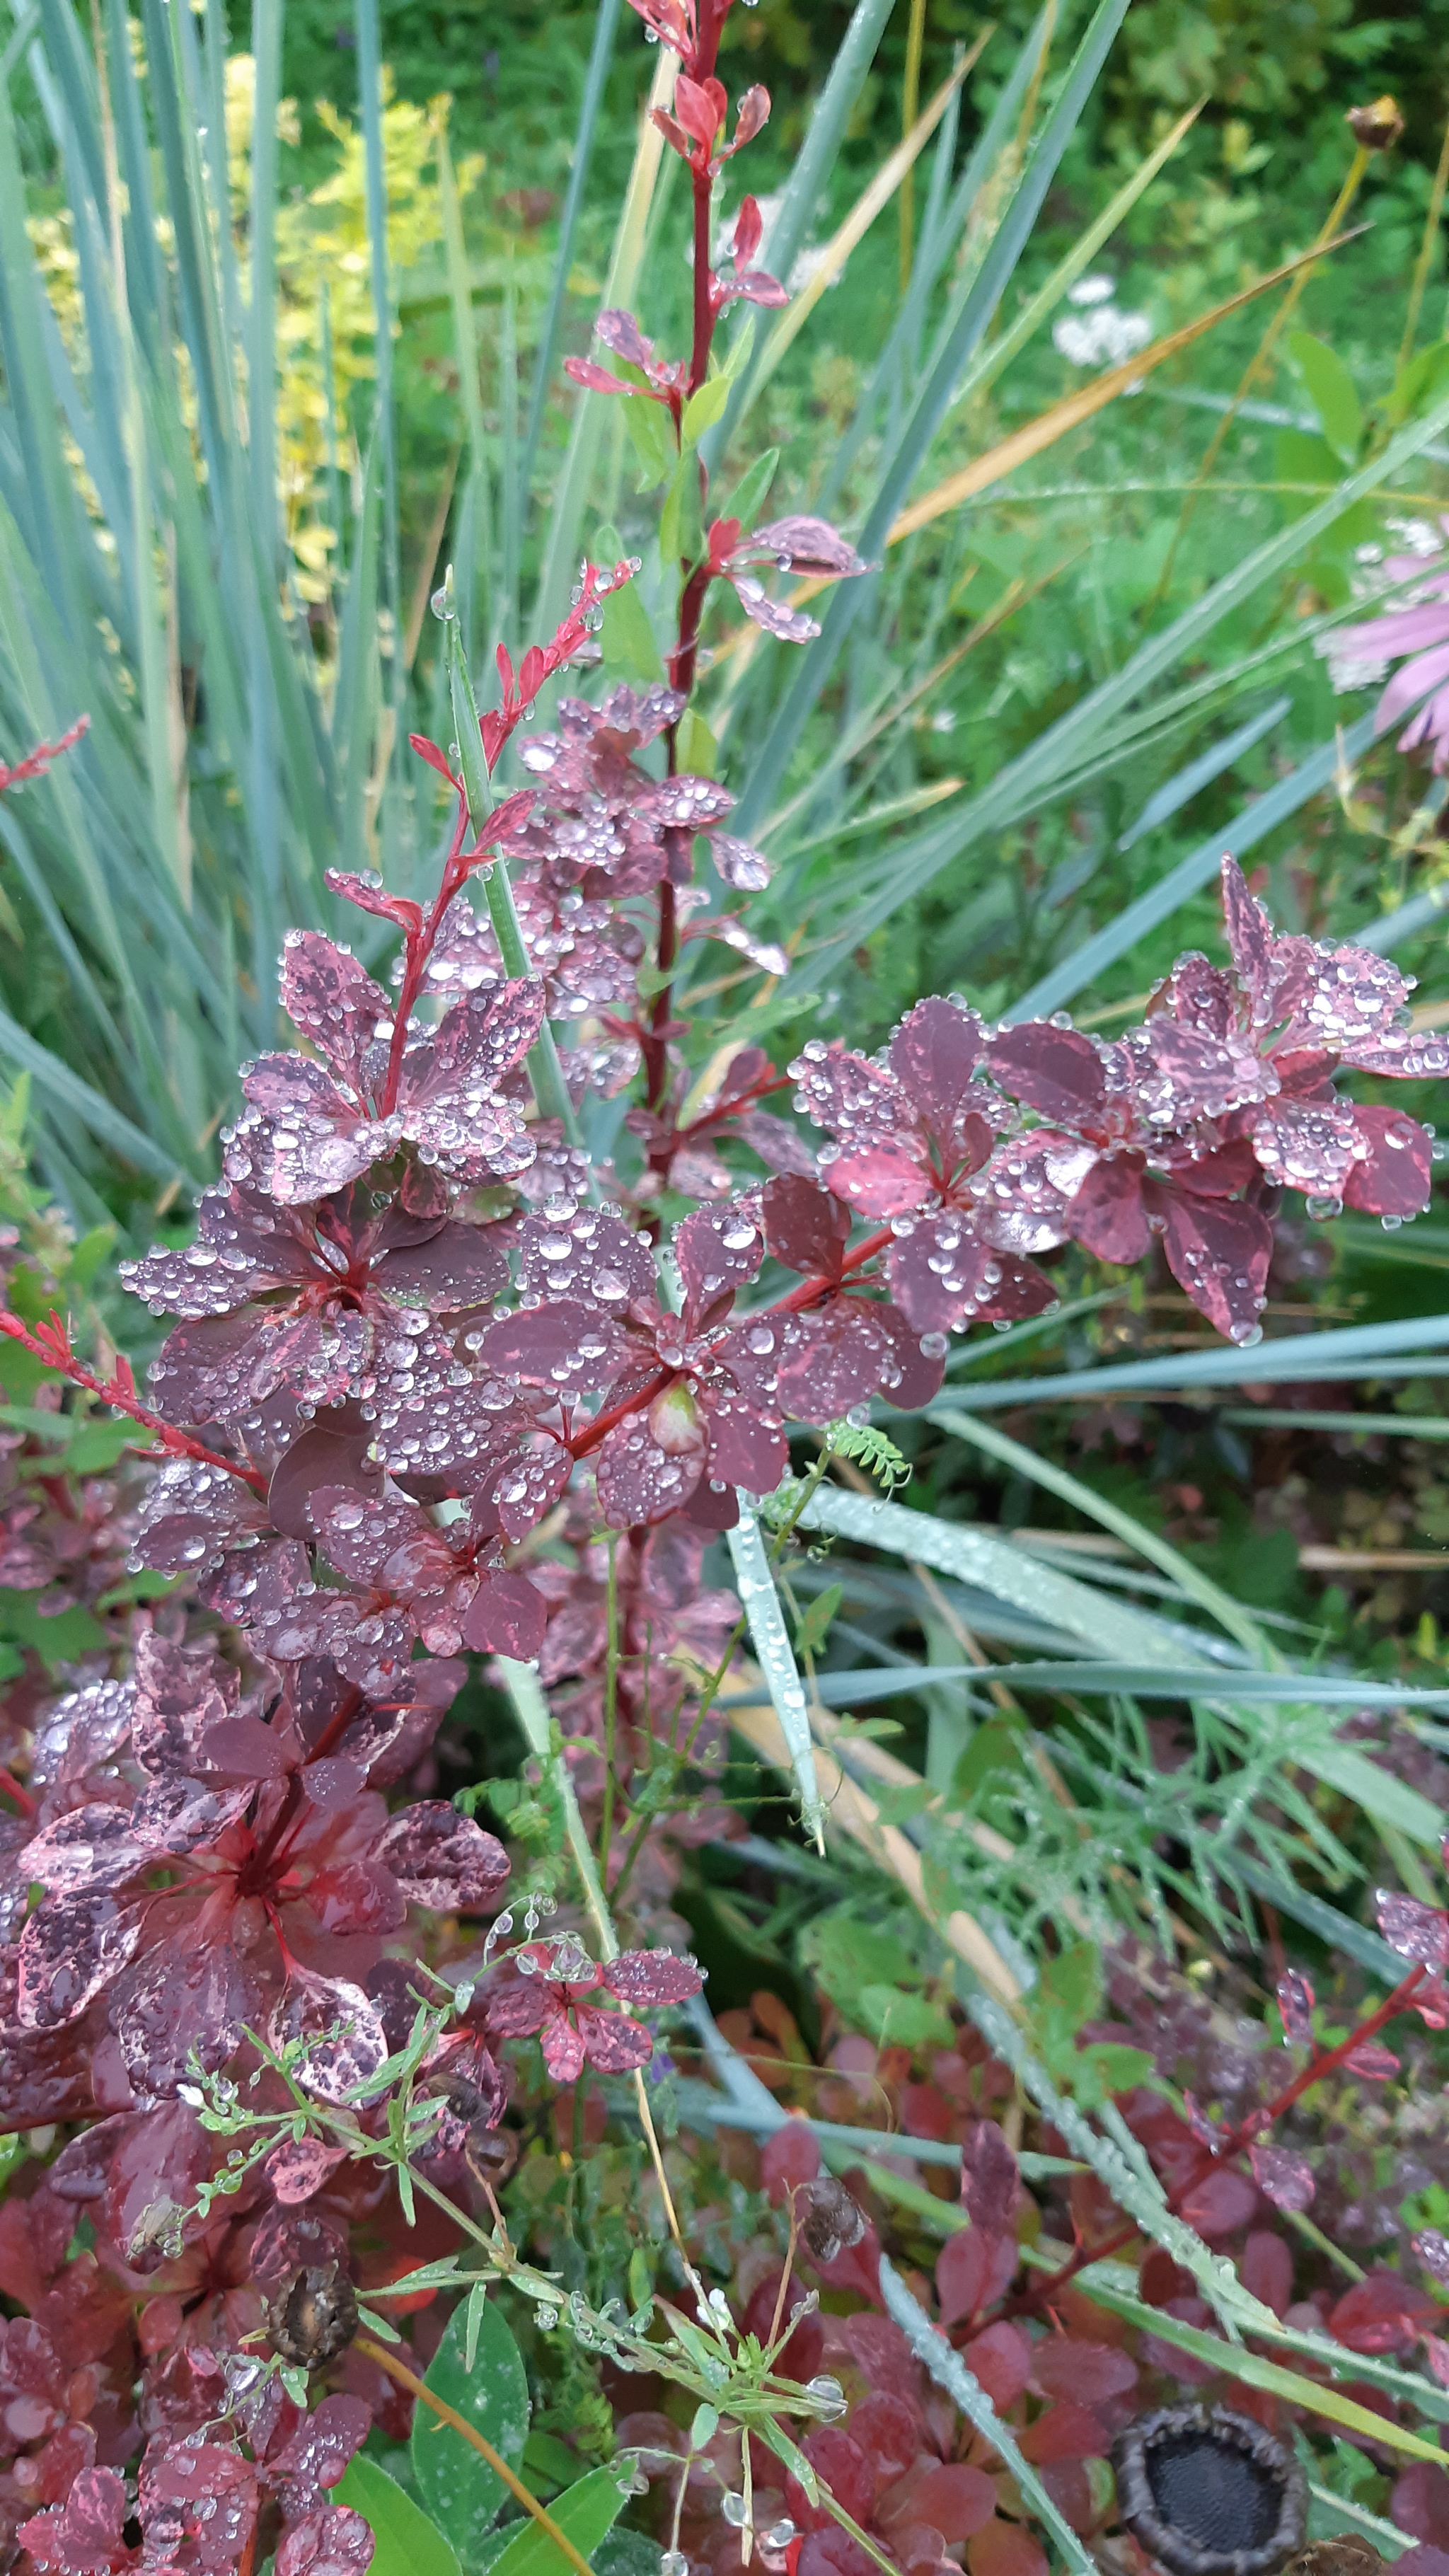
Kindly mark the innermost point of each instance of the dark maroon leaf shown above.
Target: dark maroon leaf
(442, 1859)
(648, 1978)
(1219, 1252)
(242, 1748)
(1108, 1213)
(71, 1948)
(944, 1274)
(592, 1256)
(934, 1054)
(990, 2183)
(716, 1251)
(456, 1267)
(639, 1479)
(805, 1227)
(971, 2271)
(332, 1000)
(914, 1364)
(198, 2507)
(1394, 1177)
(300, 2166)
(347, 2043)
(832, 1358)
(611, 2041)
(335, 2543)
(85, 2536)
(1057, 1072)
(1415, 1930)
(330, 1452)
(1295, 2003)
(565, 1346)
(92, 1847)
(1283, 2178)
(175, 2004)
(741, 1448)
(506, 1617)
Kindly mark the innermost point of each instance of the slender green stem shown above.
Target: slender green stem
(675, 1762)
(545, 1070)
(611, 1704)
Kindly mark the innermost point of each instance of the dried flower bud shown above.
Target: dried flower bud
(490, 2154)
(1347, 2554)
(830, 2221)
(1377, 127)
(313, 2316)
(1209, 2493)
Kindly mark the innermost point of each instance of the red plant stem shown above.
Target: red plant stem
(1233, 2144)
(178, 1444)
(663, 1155)
(808, 1293)
(419, 948)
(704, 317)
(22, 1797)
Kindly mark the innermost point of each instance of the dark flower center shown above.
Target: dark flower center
(1213, 2493)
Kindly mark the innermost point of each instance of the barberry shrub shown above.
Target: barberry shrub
(441, 1381)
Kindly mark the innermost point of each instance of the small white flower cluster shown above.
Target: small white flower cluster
(1098, 333)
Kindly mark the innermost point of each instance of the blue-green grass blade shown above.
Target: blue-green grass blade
(571, 492)
(805, 188)
(601, 54)
(1007, 1573)
(369, 85)
(1136, 920)
(1232, 1618)
(817, 660)
(354, 702)
(1400, 1349)
(986, 155)
(57, 1082)
(1198, 773)
(1023, 783)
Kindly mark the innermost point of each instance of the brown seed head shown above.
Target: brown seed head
(1377, 127)
(830, 2221)
(313, 2316)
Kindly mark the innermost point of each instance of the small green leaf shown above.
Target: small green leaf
(1422, 383)
(64, 1639)
(679, 519)
(847, 1955)
(696, 746)
(473, 2323)
(1102, 2068)
(704, 408)
(626, 639)
(1332, 392)
(651, 437)
(745, 501)
(738, 355)
(88, 1254)
(408, 2544)
(548, 2462)
(813, 1626)
(586, 2512)
(903, 2021)
(704, 2427)
(458, 2487)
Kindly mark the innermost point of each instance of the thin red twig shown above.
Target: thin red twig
(51, 1343)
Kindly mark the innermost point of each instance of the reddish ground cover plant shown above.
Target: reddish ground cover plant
(437, 1386)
